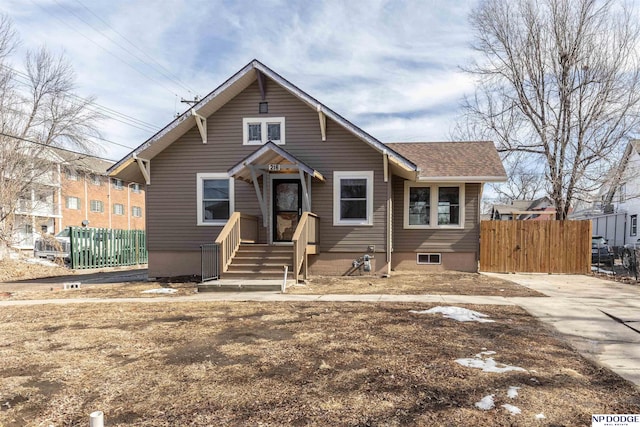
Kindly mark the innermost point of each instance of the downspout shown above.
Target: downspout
(86, 198)
(60, 225)
(129, 205)
(109, 197)
(389, 226)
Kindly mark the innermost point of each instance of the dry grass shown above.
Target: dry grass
(416, 283)
(112, 290)
(288, 364)
(11, 270)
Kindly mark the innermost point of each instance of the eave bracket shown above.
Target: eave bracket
(323, 123)
(145, 168)
(202, 125)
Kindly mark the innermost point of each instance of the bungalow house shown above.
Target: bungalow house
(277, 178)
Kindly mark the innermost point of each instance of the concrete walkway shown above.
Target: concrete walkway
(600, 318)
(597, 317)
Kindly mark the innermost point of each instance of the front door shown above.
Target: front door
(287, 208)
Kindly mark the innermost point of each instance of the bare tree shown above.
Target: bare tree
(525, 181)
(558, 82)
(38, 111)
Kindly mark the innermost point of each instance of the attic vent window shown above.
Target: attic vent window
(263, 107)
(259, 130)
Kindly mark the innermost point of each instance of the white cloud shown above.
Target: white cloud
(389, 66)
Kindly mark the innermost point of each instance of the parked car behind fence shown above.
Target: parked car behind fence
(601, 253)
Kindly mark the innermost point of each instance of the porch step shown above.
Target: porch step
(260, 261)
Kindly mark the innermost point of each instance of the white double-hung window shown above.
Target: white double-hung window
(428, 205)
(215, 198)
(353, 198)
(259, 130)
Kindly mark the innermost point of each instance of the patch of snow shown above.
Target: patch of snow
(540, 416)
(514, 410)
(41, 262)
(457, 313)
(486, 403)
(488, 365)
(513, 391)
(160, 291)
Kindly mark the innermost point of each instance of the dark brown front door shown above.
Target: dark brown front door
(287, 208)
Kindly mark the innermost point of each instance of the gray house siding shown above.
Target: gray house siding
(171, 197)
(436, 240)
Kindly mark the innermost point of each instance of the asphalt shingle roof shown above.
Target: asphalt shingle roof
(453, 159)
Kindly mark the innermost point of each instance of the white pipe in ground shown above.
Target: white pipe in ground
(96, 419)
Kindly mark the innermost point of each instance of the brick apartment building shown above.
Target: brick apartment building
(79, 193)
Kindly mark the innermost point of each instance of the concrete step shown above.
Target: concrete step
(256, 275)
(240, 285)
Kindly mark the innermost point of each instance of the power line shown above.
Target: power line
(111, 113)
(107, 50)
(51, 146)
(168, 74)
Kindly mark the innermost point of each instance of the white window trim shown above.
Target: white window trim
(263, 121)
(339, 175)
(201, 177)
(137, 209)
(433, 214)
(428, 254)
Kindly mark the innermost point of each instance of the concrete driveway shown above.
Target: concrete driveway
(600, 318)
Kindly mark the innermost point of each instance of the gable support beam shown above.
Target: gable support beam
(145, 168)
(202, 125)
(263, 93)
(263, 206)
(323, 122)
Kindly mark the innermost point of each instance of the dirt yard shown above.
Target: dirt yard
(415, 282)
(274, 364)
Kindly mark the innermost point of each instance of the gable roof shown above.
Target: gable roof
(227, 91)
(454, 161)
(614, 178)
(270, 153)
(83, 161)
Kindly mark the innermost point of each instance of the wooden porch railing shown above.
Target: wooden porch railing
(305, 240)
(239, 228)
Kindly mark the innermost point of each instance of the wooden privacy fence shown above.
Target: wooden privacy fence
(535, 246)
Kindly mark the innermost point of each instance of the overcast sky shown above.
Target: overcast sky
(390, 67)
